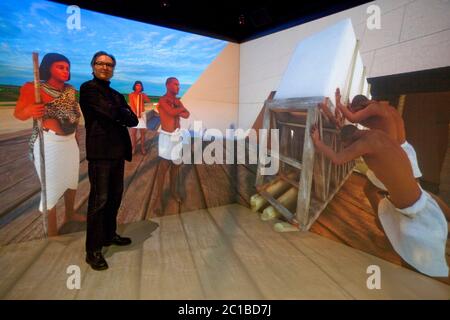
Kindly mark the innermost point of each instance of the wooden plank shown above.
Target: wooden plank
(15, 260)
(316, 207)
(215, 185)
(26, 223)
(280, 208)
(13, 173)
(279, 270)
(169, 205)
(289, 161)
(297, 125)
(241, 176)
(292, 182)
(353, 191)
(319, 175)
(13, 231)
(305, 183)
(11, 198)
(242, 180)
(21, 134)
(294, 104)
(263, 142)
(226, 253)
(137, 194)
(220, 270)
(46, 278)
(168, 270)
(357, 229)
(13, 149)
(190, 190)
(348, 267)
(122, 279)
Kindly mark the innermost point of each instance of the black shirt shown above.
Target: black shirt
(107, 116)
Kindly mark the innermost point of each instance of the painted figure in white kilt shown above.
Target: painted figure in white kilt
(171, 109)
(412, 218)
(60, 113)
(136, 101)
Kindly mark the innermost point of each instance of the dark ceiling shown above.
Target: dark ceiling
(236, 21)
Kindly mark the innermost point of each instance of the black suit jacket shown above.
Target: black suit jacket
(107, 116)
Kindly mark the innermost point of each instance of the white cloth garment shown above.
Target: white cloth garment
(417, 233)
(170, 145)
(411, 153)
(62, 165)
(409, 149)
(142, 122)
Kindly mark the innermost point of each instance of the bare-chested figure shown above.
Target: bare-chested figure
(382, 116)
(170, 111)
(412, 219)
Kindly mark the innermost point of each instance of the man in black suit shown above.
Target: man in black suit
(107, 116)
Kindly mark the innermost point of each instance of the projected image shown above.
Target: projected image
(145, 52)
(65, 39)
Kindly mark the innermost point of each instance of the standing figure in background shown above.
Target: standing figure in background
(60, 115)
(170, 111)
(136, 100)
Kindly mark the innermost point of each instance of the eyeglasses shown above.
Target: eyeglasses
(101, 64)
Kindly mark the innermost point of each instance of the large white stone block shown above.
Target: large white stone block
(321, 63)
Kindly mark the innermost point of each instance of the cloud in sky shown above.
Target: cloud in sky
(144, 52)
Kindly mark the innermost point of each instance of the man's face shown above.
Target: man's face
(173, 87)
(104, 68)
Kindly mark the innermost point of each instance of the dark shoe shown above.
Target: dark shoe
(96, 260)
(118, 241)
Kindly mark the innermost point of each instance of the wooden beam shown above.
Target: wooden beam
(304, 194)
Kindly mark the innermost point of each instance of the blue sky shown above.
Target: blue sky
(143, 52)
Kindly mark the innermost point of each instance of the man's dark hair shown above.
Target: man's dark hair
(170, 79)
(138, 82)
(359, 102)
(46, 64)
(347, 132)
(102, 53)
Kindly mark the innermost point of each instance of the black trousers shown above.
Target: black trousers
(106, 178)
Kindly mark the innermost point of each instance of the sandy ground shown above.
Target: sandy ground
(7, 121)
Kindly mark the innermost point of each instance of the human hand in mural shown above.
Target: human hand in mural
(315, 136)
(323, 107)
(177, 103)
(337, 96)
(36, 110)
(339, 118)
